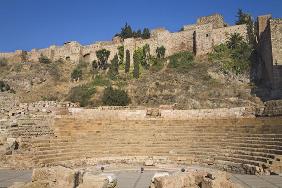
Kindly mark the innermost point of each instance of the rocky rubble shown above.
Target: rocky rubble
(62, 177)
(194, 179)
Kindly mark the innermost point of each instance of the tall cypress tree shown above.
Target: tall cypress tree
(136, 65)
(127, 61)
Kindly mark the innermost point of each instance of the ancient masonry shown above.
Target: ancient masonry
(199, 38)
(270, 53)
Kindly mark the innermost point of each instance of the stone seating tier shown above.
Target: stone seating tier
(227, 144)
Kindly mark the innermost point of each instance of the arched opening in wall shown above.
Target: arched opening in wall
(86, 58)
(194, 43)
(68, 58)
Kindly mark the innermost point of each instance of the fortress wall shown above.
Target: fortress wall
(265, 54)
(221, 35)
(276, 40)
(6, 55)
(191, 27)
(203, 39)
(262, 23)
(216, 20)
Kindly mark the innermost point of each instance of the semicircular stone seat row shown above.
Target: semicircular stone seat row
(228, 144)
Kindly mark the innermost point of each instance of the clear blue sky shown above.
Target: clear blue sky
(27, 24)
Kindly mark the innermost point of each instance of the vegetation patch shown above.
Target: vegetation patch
(234, 56)
(4, 86)
(81, 94)
(3, 62)
(100, 81)
(44, 59)
(115, 97)
(181, 62)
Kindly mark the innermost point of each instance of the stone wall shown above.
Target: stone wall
(270, 53)
(262, 23)
(276, 40)
(197, 38)
(265, 52)
(221, 35)
(216, 20)
(143, 114)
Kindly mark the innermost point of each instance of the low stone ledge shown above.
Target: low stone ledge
(169, 114)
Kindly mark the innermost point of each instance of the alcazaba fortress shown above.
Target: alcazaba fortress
(198, 38)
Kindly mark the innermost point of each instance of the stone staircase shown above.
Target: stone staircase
(242, 146)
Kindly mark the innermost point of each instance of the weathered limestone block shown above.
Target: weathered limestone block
(37, 184)
(94, 181)
(194, 180)
(58, 176)
(149, 162)
(3, 139)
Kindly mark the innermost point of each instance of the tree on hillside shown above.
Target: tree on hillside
(121, 54)
(3, 62)
(146, 56)
(137, 34)
(76, 74)
(126, 32)
(245, 18)
(146, 33)
(44, 59)
(137, 58)
(127, 61)
(114, 67)
(103, 56)
(160, 51)
(234, 41)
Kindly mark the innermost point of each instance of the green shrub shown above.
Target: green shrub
(3, 62)
(103, 56)
(120, 55)
(160, 51)
(156, 64)
(115, 97)
(181, 61)
(137, 60)
(76, 74)
(81, 94)
(100, 81)
(54, 71)
(4, 86)
(113, 72)
(44, 59)
(233, 56)
(82, 65)
(146, 56)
